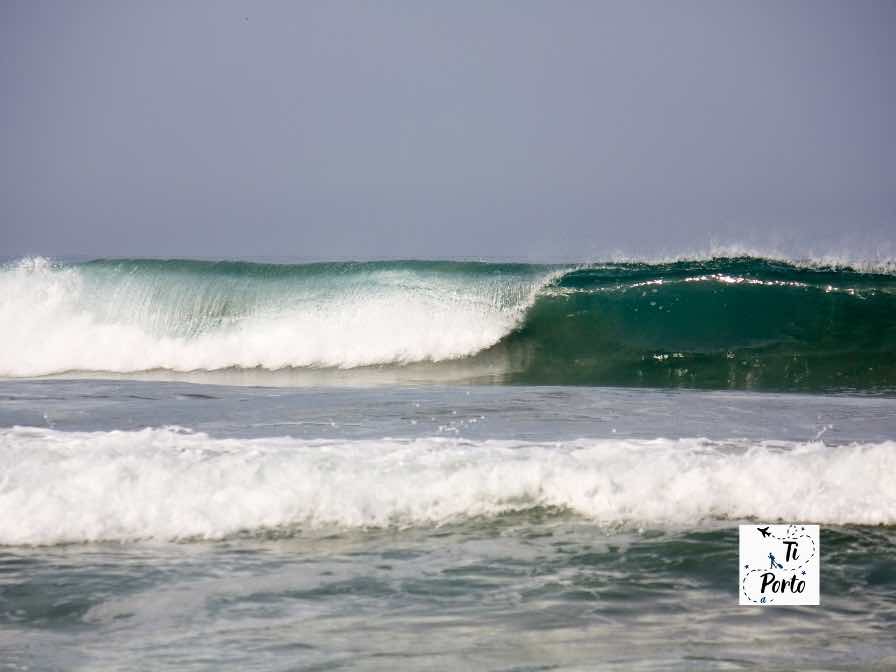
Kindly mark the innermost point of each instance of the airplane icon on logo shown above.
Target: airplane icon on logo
(764, 531)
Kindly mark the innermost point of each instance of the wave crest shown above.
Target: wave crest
(185, 316)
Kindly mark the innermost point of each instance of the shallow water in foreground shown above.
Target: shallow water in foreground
(575, 528)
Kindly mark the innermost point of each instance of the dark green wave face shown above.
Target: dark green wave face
(723, 323)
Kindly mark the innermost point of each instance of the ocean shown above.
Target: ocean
(442, 465)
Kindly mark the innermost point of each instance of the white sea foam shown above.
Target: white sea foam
(168, 483)
(55, 319)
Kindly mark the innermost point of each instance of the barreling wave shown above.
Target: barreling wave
(169, 483)
(726, 322)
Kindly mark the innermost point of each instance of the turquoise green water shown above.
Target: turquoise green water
(733, 323)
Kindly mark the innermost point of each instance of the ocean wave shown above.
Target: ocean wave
(183, 316)
(172, 484)
(716, 322)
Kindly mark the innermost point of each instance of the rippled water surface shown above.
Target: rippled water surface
(433, 528)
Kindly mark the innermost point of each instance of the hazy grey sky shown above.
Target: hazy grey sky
(533, 130)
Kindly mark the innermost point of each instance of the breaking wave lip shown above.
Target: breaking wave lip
(134, 316)
(171, 484)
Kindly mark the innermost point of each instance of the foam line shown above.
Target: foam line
(169, 483)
